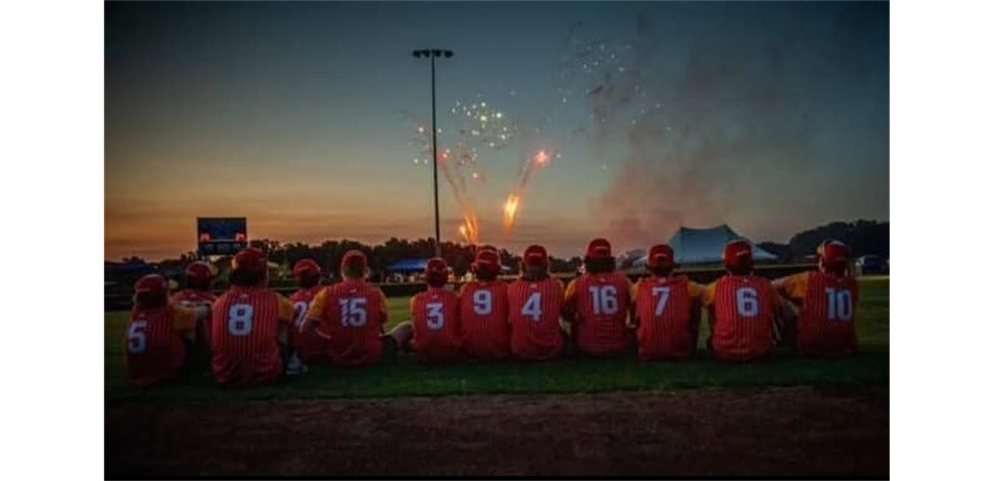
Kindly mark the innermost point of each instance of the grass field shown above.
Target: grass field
(404, 377)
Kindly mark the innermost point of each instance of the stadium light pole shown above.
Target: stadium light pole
(432, 54)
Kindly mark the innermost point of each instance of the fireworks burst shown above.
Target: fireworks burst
(484, 123)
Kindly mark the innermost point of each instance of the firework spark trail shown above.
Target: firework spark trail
(514, 200)
(470, 228)
(452, 163)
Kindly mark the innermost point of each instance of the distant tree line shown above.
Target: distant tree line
(863, 236)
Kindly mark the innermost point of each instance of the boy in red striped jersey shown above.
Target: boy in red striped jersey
(308, 345)
(250, 325)
(742, 308)
(484, 311)
(352, 314)
(534, 305)
(827, 299)
(435, 317)
(159, 336)
(197, 293)
(667, 309)
(596, 305)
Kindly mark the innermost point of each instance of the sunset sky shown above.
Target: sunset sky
(771, 117)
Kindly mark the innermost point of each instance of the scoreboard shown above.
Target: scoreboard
(221, 235)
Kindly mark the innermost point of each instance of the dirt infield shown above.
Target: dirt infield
(774, 431)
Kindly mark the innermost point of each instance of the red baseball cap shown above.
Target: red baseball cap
(535, 255)
(306, 268)
(354, 259)
(487, 247)
(199, 272)
(436, 271)
(599, 249)
(834, 252)
(250, 260)
(487, 258)
(738, 254)
(152, 284)
(660, 256)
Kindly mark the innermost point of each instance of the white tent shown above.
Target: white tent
(705, 246)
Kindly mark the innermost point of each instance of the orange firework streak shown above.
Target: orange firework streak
(510, 209)
(511, 205)
(469, 230)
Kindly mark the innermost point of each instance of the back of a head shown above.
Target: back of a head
(833, 257)
(249, 268)
(535, 263)
(660, 260)
(199, 276)
(487, 265)
(307, 272)
(436, 272)
(738, 257)
(354, 265)
(598, 258)
(151, 291)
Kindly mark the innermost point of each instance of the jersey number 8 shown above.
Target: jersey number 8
(240, 320)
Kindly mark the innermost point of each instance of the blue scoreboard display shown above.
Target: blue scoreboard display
(219, 236)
